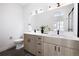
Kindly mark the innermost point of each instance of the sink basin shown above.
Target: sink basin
(52, 33)
(68, 34)
(61, 33)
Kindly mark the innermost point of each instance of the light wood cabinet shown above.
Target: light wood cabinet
(29, 43)
(54, 50)
(33, 44)
(50, 46)
(60, 47)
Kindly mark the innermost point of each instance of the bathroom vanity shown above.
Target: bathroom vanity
(61, 39)
(47, 45)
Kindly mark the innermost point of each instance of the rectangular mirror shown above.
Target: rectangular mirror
(60, 19)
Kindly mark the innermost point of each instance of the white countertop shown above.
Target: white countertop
(56, 36)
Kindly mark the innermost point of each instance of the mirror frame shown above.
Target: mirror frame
(78, 22)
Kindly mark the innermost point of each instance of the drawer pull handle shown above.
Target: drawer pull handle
(39, 43)
(55, 48)
(58, 49)
(39, 52)
(39, 38)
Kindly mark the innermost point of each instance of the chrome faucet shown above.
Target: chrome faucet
(57, 32)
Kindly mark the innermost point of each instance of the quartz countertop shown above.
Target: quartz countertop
(56, 36)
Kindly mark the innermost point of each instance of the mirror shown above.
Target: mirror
(64, 18)
(57, 19)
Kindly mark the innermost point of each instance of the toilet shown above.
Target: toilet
(19, 43)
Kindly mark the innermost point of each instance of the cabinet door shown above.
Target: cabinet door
(29, 44)
(65, 51)
(49, 50)
(52, 40)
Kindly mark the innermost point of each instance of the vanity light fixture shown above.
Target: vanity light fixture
(34, 12)
(40, 10)
(54, 6)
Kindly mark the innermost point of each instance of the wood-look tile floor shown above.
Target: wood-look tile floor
(14, 52)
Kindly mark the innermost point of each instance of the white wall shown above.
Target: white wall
(11, 24)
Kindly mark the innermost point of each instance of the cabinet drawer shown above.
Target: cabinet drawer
(27, 36)
(52, 40)
(39, 53)
(39, 38)
(39, 45)
(70, 43)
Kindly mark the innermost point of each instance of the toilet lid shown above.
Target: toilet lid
(19, 40)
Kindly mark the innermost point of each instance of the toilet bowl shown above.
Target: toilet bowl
(19, 43)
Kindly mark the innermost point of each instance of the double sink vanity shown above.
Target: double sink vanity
(51, 45)
(62, 41)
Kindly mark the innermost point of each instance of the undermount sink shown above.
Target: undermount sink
(52, 33)
(68, 34)
(61, 33)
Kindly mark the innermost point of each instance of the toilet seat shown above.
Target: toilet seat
(18, 40)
